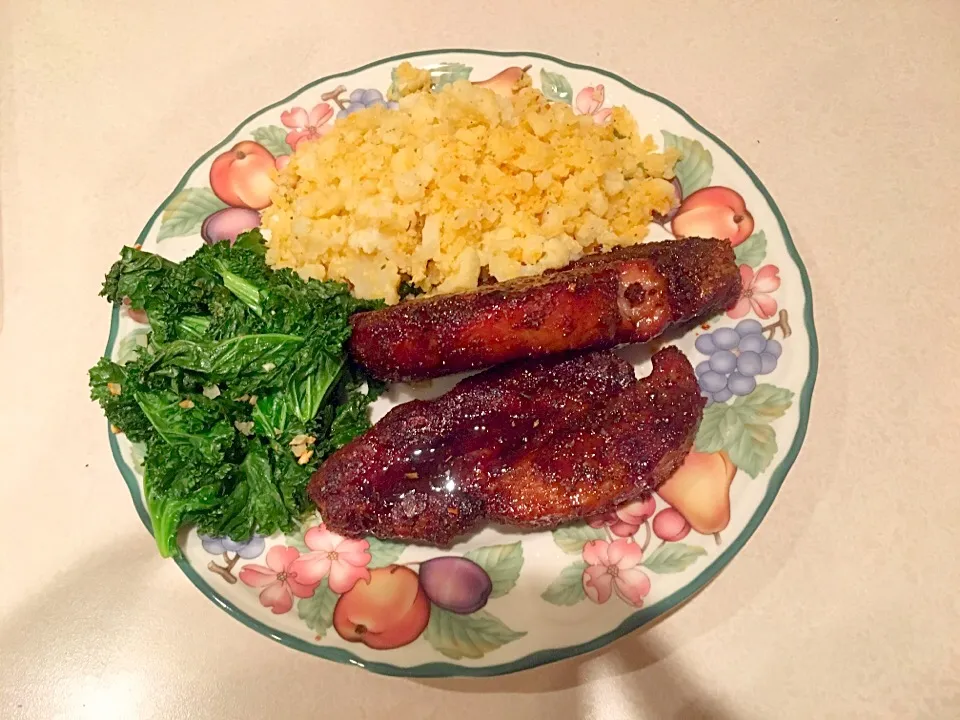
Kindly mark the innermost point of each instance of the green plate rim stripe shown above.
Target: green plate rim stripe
(640, 617)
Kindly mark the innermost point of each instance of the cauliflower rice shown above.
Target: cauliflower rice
(461, 184)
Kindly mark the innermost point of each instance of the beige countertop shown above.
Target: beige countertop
(844, 604)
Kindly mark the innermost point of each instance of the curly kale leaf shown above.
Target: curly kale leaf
(241, 360)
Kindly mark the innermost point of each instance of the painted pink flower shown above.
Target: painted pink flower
(590, 102)
(282, 161)
(756, 292)
(626, 519)
(139, 316)
(280, 582)
(613, 567)
(344, 561)
(306, 126)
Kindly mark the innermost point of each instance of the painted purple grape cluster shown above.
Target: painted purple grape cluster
(736, 357)
(248, 550)
(360, 99)
(456, 584)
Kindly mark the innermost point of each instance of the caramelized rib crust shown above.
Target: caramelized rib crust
(629, 295)
(531, 444)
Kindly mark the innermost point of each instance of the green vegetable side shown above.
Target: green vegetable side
(242, 389)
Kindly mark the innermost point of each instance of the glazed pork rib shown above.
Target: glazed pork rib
(629, 295)
(531, 444)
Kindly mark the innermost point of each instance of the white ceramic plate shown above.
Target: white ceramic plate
(553, 594)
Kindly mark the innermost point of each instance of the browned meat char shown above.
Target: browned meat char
(534, 443)
(630, 295)
(625, 449)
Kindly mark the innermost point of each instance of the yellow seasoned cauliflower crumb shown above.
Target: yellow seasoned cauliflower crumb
(460, 183)
(407, 80)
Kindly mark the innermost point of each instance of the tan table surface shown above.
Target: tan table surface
(844, 604)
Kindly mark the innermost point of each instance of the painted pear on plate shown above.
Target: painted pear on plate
(700, 491)
(506, 82)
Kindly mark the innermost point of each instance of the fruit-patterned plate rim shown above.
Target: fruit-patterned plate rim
(637, 619)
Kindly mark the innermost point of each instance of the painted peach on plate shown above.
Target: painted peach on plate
(243, 175)
(714, 212)
(700, 491)
(387, 611)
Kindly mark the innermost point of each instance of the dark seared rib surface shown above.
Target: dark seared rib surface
(629, 295)
(529, 444)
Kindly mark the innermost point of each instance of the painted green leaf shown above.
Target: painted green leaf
(673, 558)
(186, 212)
(274, 139)
(572, 538)
(466, 636)
(295, 539)
(447, 73)
(753, 448)
(556, 87)
(709, 438)
(502, 563)
(731, 426)
(384, 552)
(742, 428)
(317, 611)
(138, 452)
(392, 93)
(567, 589)
(752, 250)
(694, 169)
(767, 402)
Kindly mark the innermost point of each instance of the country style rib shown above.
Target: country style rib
(629, 295)
(532, 444)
